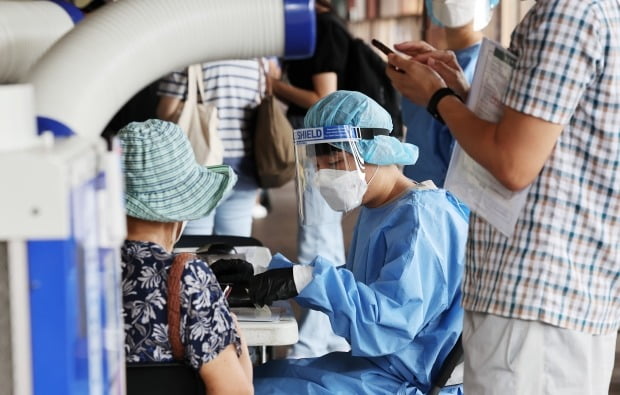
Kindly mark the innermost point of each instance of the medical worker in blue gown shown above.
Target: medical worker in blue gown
(397, 299)
(463, 22)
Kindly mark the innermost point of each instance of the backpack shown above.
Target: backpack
(365, 72)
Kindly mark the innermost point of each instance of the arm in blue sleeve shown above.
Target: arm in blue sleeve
(408, 264)
(382, 317)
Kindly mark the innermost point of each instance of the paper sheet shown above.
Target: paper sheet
(469, 181)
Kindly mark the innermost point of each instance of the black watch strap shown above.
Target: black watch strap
(434, 101)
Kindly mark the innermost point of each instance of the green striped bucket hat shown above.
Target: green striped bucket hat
(163, 181)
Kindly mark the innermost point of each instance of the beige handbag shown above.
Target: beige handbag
(198, 120)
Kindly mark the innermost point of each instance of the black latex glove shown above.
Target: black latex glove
(235, 271)
(272, 285)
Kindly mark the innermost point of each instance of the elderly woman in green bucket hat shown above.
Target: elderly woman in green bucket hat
(164, 188)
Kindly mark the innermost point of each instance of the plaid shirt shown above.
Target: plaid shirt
(562, 266)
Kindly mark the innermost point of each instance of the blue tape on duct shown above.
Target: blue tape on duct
(58, 128)
(75, 13)
(299, 29)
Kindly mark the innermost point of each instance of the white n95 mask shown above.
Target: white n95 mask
(457, 13)
(343, 190)
(183, 225)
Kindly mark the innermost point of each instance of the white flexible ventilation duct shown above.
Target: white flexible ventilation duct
(27, 30)
(95, 68)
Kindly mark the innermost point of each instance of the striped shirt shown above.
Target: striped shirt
(233, 87)
(562, 265)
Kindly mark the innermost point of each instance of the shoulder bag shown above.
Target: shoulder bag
(174, 304)
(199, 121)
(274, 151)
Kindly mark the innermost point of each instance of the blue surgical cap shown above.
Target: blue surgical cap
(356, 109)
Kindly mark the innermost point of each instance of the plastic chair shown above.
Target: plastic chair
(454, 358)
(163, 379)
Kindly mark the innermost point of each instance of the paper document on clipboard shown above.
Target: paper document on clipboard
(465, 178)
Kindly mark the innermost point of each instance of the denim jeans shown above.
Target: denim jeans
(233, 217)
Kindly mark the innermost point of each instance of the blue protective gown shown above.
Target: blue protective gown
(397, 302)
(434, 140)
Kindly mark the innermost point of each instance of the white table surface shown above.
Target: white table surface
(282, 331)
(279, 333)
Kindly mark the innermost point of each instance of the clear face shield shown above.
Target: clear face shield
(330, 170)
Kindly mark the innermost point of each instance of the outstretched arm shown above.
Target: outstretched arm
(513, 150)
(324, 84)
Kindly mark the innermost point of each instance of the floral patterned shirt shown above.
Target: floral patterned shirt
(207, 326)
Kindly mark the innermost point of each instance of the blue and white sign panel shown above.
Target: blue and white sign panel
(327, 134)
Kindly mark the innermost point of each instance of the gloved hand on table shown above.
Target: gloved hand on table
(236, 271)
(275, 284)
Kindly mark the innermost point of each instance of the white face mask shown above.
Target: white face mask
(343, 190)
(457, 13)
(183, 224)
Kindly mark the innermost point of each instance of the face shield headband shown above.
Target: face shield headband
(330, 169)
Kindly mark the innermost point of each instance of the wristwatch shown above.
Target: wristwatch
(434, 101)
